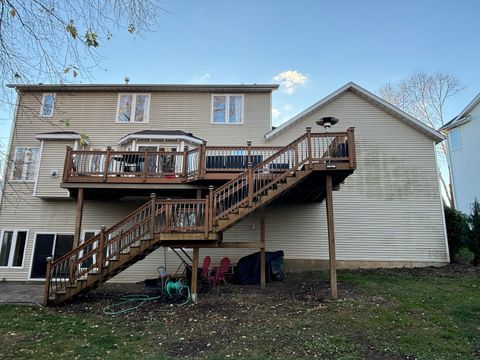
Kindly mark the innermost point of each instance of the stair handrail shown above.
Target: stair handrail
(245, 179)
(259, 178)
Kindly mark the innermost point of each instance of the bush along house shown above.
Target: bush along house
(144, 169)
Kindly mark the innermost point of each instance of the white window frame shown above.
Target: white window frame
(227, 105)
(459, 145)
(13, 246)
(146, 114)
(37, 165)
(43, 103)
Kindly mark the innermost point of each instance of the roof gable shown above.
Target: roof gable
(371, 98)
(462, 118)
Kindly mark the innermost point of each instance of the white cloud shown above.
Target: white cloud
(200, 78)
(275, 113)
(289, 80)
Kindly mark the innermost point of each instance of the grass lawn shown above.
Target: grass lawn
(381, 314)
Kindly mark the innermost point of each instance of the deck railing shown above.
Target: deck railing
(326, 151)
(161, 166)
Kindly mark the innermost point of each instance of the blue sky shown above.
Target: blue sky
(325, 44)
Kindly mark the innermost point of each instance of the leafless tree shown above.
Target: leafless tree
(60, 41)
(424, 96)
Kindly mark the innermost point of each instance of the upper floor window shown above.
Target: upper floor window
(133, 108)
(25, 163)
(455, 140)
(227, 109)
(12, 248)
(48, 103)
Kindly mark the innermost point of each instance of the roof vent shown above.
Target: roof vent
(127, 80)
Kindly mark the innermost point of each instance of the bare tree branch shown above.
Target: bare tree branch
(424, 96)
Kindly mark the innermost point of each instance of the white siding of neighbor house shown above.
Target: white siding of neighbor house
(465, 163)
(388, 210)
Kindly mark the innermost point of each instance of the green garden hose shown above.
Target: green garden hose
(172, 289)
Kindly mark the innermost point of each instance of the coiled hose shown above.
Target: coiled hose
(172, 290)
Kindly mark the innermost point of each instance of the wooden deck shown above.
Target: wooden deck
(205, 163)
(326, 158)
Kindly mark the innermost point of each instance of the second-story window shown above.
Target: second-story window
(25, 164)
(133, 108)
(455, 141)
(48, 103)
(227, 109)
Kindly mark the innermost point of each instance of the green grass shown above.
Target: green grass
(384, 314)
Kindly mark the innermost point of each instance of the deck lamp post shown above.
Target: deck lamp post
(327, 122)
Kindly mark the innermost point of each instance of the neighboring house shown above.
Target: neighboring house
(151, 138)
(463, 148)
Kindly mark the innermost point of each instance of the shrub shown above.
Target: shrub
(457, 231)
(473, 241)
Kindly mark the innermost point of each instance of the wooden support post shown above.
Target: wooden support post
(201, 161)
(101, 249)
(351, 147)
(185, 163)
(145, 166)
(263, 279)
(106, 165)
(78, 218)
(153, 215)
(196, 252)
(211, 208)
(67, 167)
(309, 147)
(331, 238)
(250, 173)
(47, 281)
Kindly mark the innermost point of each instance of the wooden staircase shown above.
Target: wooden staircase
(195, 222)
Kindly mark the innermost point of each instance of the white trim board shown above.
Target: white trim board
(372, 98)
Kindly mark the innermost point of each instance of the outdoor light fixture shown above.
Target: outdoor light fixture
(327, 122)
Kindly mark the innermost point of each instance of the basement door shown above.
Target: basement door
(47, 245)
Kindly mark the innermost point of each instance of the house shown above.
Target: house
(463, 147)
(213, 163)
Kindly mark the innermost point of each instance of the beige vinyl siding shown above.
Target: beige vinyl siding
(389, 209)
(52, 159)
(21, 210)
(94, 113)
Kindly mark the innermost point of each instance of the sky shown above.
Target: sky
(310, 47)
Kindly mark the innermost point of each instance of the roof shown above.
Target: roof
(161, 134)
(461, 118)
(370, 97)
(58, 135)
(251, 88)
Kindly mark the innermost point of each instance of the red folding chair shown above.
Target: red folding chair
(221, 271)
(205, 268)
